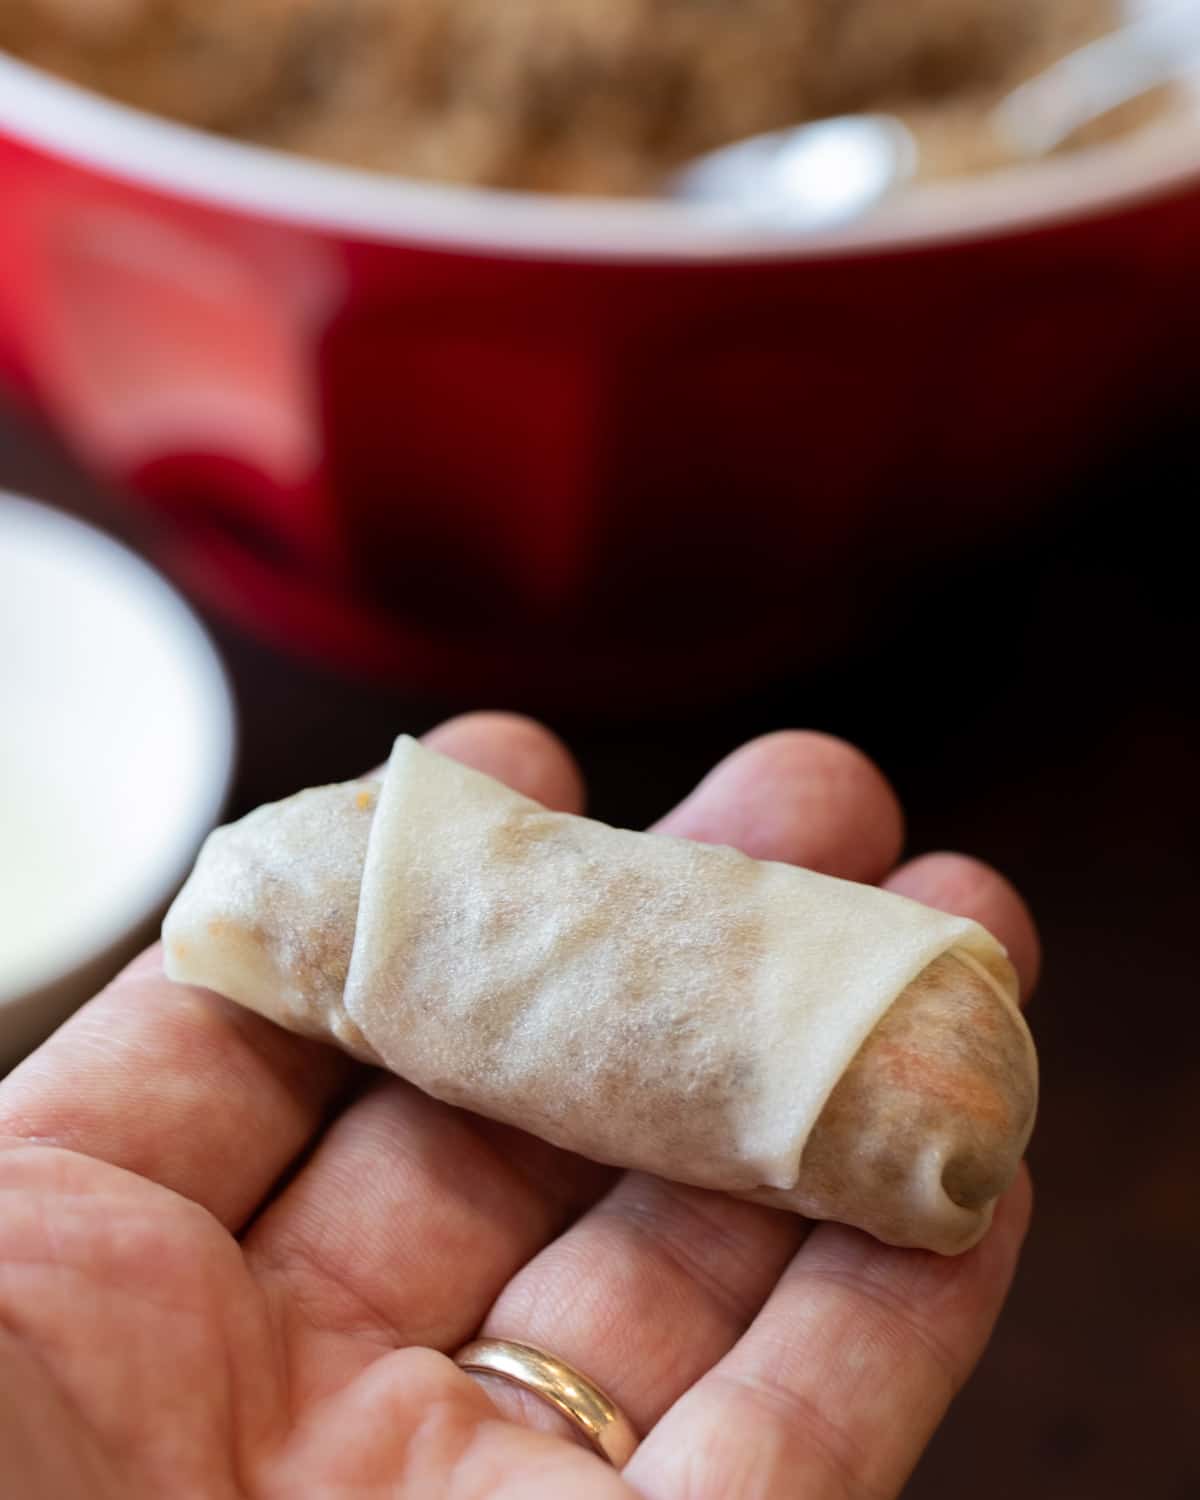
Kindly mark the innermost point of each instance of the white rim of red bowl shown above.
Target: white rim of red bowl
(75, 124)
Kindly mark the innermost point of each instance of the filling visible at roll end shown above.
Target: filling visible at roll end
(926, 1129)
(267, 916)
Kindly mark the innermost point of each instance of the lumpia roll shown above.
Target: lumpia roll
(645, 1001)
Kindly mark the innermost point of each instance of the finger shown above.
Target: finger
(413, 1424)
(658, 1281)
(520, 752)
(844, 1375)
(802, 797)
(969, 888)
(406, 1222)
(179, 1085)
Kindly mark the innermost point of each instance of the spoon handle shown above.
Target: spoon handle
(1047, 110)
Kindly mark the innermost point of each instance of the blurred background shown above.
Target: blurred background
(931, 488)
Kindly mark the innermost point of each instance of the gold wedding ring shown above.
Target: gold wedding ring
(569, 1391)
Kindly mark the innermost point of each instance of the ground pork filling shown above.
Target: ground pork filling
(585, 96)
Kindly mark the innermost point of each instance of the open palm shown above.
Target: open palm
(233, 1264)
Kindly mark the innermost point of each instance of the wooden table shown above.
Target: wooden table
(1063, 749)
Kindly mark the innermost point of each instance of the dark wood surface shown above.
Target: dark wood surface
(1052, 730)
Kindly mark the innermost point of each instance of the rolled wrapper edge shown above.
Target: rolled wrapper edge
(423, 1003)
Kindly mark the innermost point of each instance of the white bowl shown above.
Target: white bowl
(116, 751)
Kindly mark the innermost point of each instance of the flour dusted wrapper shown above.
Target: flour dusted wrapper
(644, 1001)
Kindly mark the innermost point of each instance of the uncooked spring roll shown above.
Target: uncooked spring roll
(650, 1002)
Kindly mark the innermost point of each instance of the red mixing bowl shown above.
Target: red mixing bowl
(501, 443)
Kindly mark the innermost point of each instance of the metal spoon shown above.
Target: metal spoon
(828, 172)
(806, 177)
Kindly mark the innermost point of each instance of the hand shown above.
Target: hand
(232, 1264)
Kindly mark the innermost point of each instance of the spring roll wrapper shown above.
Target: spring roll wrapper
(642, 1000)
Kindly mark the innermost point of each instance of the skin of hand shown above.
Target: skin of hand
(234, 1264)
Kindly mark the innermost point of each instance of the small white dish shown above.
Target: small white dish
(117, 742)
